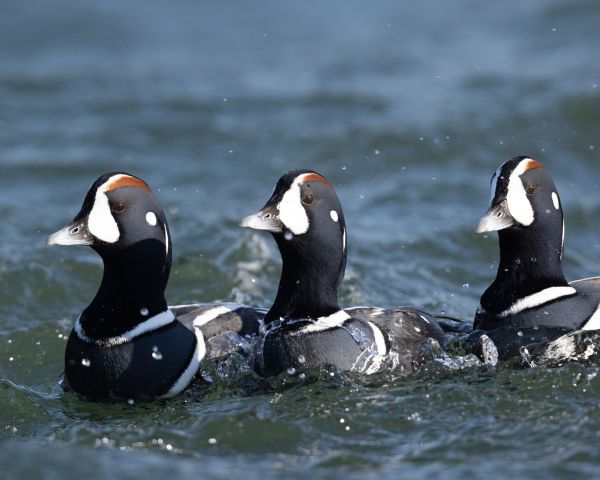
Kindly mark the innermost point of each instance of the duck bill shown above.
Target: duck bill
(267, 219)
(76, 233)
(496, 218)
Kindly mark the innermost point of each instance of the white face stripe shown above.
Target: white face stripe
(101, 223)
(538, 299)
(291, 211)
(516, 197)
(157, 321)
(334, 215)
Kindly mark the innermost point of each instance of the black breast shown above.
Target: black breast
(144, 368)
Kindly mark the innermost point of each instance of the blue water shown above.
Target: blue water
(407, 108)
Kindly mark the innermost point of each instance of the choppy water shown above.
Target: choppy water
(407, 109)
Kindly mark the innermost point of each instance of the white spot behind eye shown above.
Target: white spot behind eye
(334, 215)
(555, 200)
(151, 218)
(291, 211)
(101, 223)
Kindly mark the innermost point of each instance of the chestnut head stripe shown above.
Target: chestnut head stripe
(118, 181)
(314, 177)
(531, 164)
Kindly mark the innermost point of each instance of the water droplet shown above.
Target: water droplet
(466, 285)
(342, 420)
(10, 359)
(212, 441)
(288, 235)
(131, 401)
(302, 377)
(533, 259)
(520, 333)
(156, 355)
(291, 371)
(376, 152)
(518, 261)
(301, 358)
(143, 311)
(86, 362)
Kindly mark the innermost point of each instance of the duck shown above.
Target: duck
(530, 300)
(128, 344)
(305, 327)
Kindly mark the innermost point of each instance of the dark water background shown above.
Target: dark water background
(407, 107)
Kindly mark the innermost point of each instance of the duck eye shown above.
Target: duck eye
(308, 198)
(531, 189)
(118, 207)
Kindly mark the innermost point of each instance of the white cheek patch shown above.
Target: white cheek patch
(516, 197)
(151, 219)
(555, 201)
(334, 215)
(291, 211)
(101, 223)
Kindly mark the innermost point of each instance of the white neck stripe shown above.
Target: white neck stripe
(538, 299)
(153, 323)
(188, 374)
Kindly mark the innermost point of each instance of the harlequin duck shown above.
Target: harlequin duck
(127, 344)
(305, 327)
(530, 301)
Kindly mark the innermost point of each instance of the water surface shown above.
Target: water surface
(407, 109)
